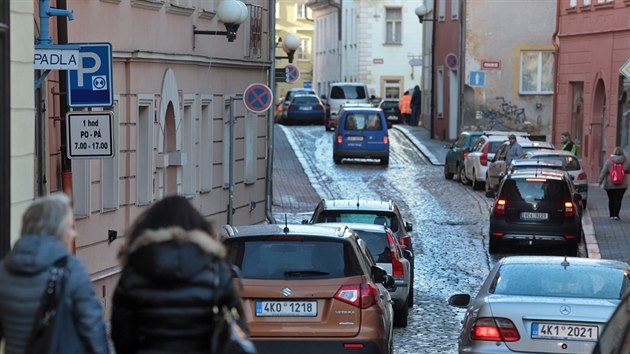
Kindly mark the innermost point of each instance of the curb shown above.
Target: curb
(426, 152)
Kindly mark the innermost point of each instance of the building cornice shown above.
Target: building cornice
(143, 56)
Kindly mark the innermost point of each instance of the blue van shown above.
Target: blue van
(361, 132)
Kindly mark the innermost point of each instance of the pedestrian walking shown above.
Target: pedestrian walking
(514, 151)
(404, 105)
(567, 143)
(613, 178)
(47, 236)
(173, 273)
(416, 105)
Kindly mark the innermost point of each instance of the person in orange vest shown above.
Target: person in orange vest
(404, 105)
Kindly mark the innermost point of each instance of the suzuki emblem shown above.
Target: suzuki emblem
(286, 292)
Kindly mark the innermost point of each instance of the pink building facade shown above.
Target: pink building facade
(592, 96)
(180, 124)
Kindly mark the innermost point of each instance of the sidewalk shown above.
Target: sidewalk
(605, 238)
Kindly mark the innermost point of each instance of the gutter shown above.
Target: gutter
(556, 46)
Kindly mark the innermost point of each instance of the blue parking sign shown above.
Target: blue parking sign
(91, 85)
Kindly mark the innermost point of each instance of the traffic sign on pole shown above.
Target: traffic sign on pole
(625, 69)
(258, 97)
(293, 73)
(91, 84)
(90, 135)
(477, 79)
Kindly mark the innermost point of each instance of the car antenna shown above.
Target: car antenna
(565, 263)
(286, 225)
(358, 204)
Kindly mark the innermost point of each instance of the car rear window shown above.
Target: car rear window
(570, 163)
(368, 217)
(305, 99)
(377, 244)
(535, 190)
(554, 280)
(390, 104)
(292, 258)
(350, 92)
(363, 121)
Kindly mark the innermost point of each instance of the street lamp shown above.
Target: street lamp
(290, 44)
(422, 11)
(232, 13)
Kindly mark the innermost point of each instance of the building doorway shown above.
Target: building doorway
(623, 113)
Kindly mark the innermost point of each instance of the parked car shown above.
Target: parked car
(391, 110)
(536, 208)
(541, 304)
(389, 255)
(454, 162)
(615, 339)
(361, 133)
(497, 168)
(520, 164)
(305, 108)
(476, 162)
(343, 93)
(311, 287)
(367, 212)
(571, 164)
(284, 102)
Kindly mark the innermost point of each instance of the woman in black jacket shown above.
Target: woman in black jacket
(173, 274)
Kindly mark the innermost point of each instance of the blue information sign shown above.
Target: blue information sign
(91, 85)
(477, 78)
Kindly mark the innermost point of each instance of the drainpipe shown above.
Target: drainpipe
(556, 46)
(433, 94)
(66, 165)
(270, 118)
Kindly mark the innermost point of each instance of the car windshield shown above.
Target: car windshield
(348, 92)
(368, 217)
(555, 280)
(287, 257)
(535, 190)
(363, 121)
(377, 244)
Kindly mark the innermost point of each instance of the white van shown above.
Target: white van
(342, 93)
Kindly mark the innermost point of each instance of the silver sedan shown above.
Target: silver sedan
(542, 304)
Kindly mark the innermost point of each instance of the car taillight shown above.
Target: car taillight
(405, 241)
(359, 295)
(385, 139)
(483, 159)
(291, 107)
(581, 176)
(319, 107)
(339, 139)
(398, 271)
(464, 155)
(494, 329)
(569, 209)
(499, 207)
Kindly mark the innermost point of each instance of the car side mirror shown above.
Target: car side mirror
(378, 274)
(459, 300)
(577, 197)
(389, 281)
(408, 226)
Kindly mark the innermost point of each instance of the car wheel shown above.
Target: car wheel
(337, 159)
(494, 245)
(461, 172)
(401, 315)
(385, 161)
(448, 175)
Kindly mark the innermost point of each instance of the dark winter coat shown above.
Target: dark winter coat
(416, 97)
(170, 281)
(604, 174)
(23, 277)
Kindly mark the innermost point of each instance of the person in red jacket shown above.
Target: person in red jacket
(404, 105)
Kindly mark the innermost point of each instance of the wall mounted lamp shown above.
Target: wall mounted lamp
(232, 13)
(422, 11)
(290, 44)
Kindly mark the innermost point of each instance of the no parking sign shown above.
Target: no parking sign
(293, 73)
(258, 97)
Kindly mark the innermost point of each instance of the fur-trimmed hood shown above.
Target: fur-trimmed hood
(171, 253)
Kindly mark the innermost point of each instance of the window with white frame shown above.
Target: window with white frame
(304, 50)
(205, 145)
(251, 139)
(182, 3)
(440, 91)
(393, 25)
(441, 10)
(586, 2)
(144, 149)
(109, 168)
(302, 11)
(277, 10)
(392, 89)
(188, 145)
(206, 5)
(536, 76)
(572, 3)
